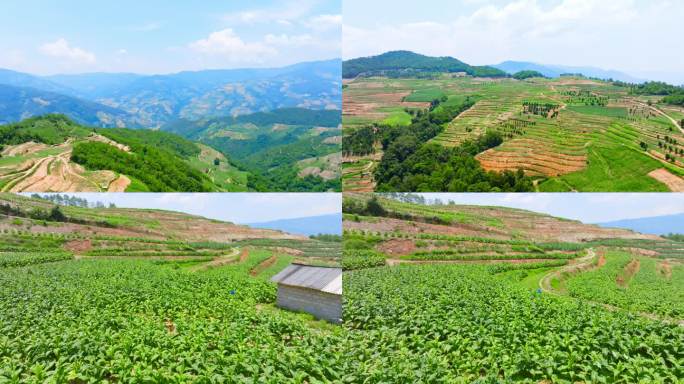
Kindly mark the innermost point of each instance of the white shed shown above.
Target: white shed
(315, 290)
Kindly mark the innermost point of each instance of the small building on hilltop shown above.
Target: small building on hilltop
(314, 290)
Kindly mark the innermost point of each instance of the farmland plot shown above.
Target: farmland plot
(456, 323)
(596, 138)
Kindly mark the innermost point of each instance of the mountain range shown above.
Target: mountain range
(312, 225)
(512, 67)
(150, 101)
(657, 225)
(411, 64)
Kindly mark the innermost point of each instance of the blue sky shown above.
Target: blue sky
(155, 36)
(234, 207)
(639, 37)
(586, 207)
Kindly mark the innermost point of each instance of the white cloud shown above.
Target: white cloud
(284, 14)
(122, 52)
(61, 49)
(325, 22)
(287, 40)
(569, 32)
(227, 43)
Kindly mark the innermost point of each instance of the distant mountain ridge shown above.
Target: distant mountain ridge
(154, 100)
(18, 103)
(406, 63)
(312, 225)
(657, 225)
(512, 67)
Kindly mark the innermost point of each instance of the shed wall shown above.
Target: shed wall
(321, 305)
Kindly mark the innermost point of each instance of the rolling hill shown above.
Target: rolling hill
(406, 63)
(657, 225)
(53, 154)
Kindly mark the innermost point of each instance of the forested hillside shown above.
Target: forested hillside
(291, 149)
(405, 63)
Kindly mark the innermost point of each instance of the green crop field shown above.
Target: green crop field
(454, 293)
(586, 135)
(124, 295)
(139, 321)
(457, 323)
(654, 286)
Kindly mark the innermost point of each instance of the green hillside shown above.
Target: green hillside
(407, 64)
(290, 149)
(53, 153)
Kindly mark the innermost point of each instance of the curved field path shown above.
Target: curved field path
(221, 260)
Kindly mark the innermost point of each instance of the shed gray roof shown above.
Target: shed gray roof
(323, 279)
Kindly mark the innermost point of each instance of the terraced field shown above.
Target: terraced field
(598, 137)
(127, 295)
(452, 293)
(34, 167)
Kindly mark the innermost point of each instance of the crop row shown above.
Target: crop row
(361, 258)
(454, 255)
(20, 259)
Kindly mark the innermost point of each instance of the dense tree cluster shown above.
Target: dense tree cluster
(48, 129)
(327, 238)
(143, 137)
(360, 142)
(522, 75)
(673, 94)
(675, 236)
(158, 169)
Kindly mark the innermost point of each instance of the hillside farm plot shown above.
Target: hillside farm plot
(455, 293)
(459, 323)
(633, 282)
(135, 295)
(560, 131)
(209, 332)
(33, 167)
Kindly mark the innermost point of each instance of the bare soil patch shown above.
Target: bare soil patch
(398, 247)
(23, 149)
(628, 272)
(78, 246)
(665, 269)
(120, 184)
(263, 265)
(675, 183)
(244, 255)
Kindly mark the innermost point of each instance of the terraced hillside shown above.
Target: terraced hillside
(131, 295)
(567, 133)
(53, 154)
(465, 293)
